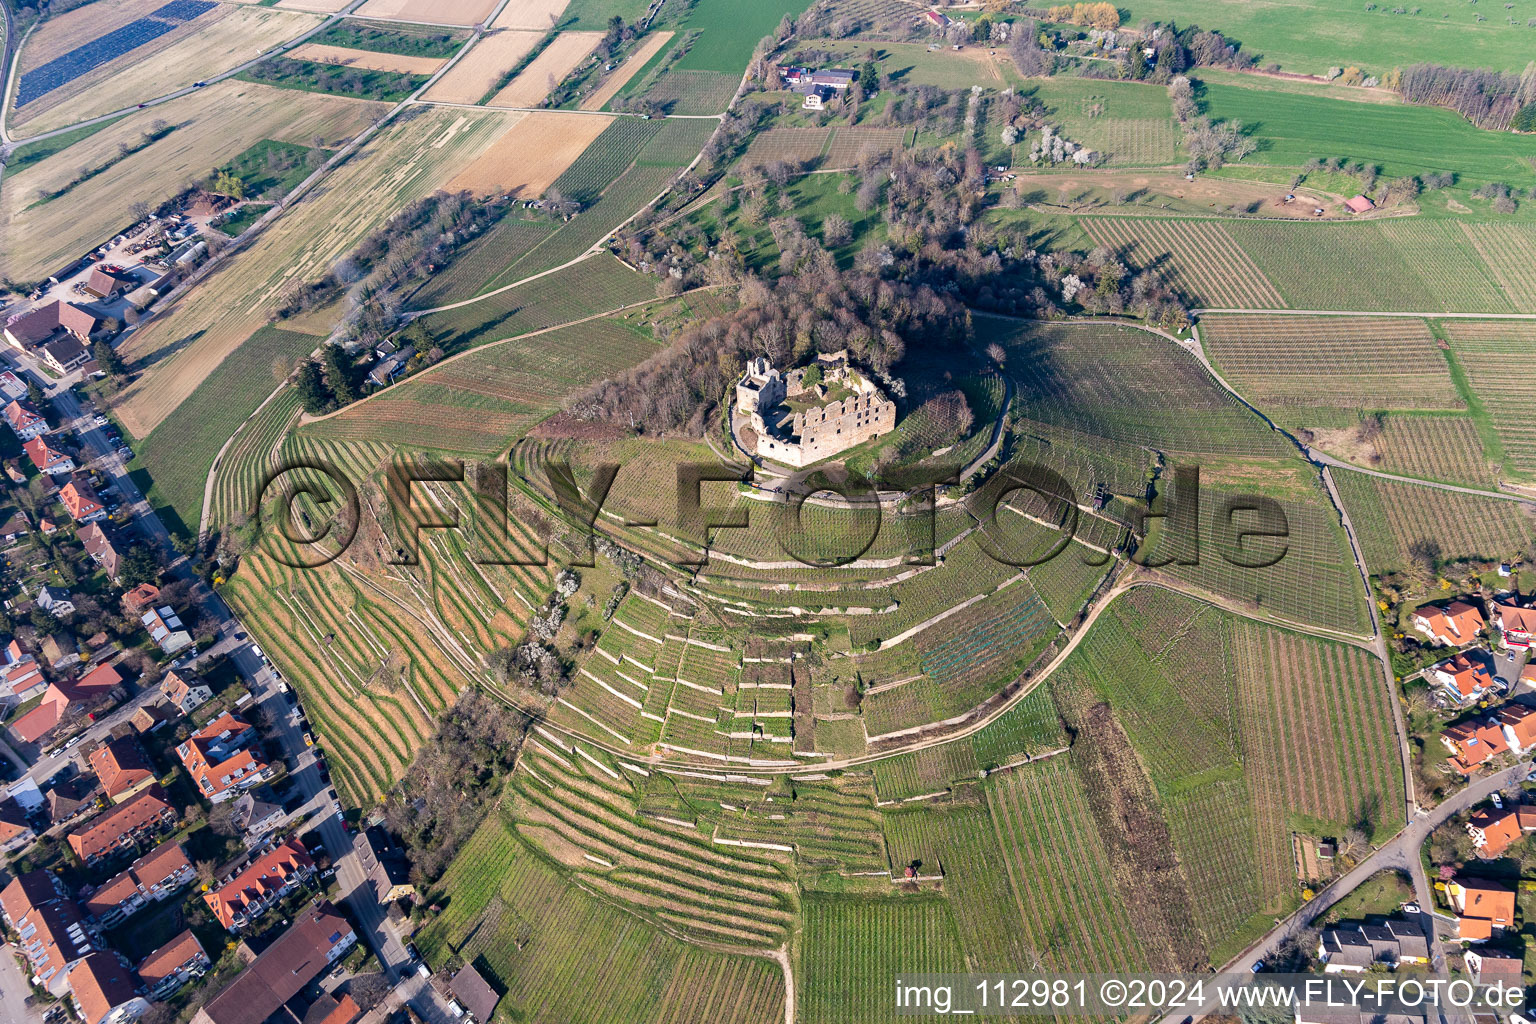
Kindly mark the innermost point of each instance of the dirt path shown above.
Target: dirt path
(1372, 313)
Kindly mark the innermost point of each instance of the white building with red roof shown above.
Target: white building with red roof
(219, 758)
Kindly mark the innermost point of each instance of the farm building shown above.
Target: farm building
(1359, 204)
(49, 322)
(65, 353)
(103, 284)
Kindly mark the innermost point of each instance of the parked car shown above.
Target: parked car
(1498, 801)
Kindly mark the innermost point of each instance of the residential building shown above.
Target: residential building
(219, 758)
(151, 717)
(319, 937)
(391, 875)
(1490, 965)
(103, 993)
(140, 599)
(65, 353)
(59, 651)
(20, 677)
(63, 699)
(1486, 908)
(1473, 743)
(1517, 626)
(185, 691)
(270, 876)
(16, 526)
(1355, 947)
(122, 768)
(25, 421)
(11, 386)
(47, 458)
(51, 932)
(55, 601)
(131, 822)
(66, 801)
(158, 874)
(104, 548)
(256, 818)
(165, 629)
(15, 829)
(49, 322)
(1463, 679)
(81, 502)
(174, 964)
(392, 366)
(328, 1009)
(1492, 832)
(1519, 725)
(475, 994)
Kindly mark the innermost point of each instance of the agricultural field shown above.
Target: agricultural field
(620, 76)
(212, 126)
(1485, 350)
(1130, 123)
(692, 92)
(370, 60)
(197, 48)
(476, 73)
(554, 62)
(1308, 37)
(1396, 521)
(853, 947)
(531, 14)
(1445, 448)
(531, 155)
(436, 12)
(1353, 363)
(407, 160)
(1200, 258)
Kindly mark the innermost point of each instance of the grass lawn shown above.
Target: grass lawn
(1380, 894)
(32, 152)
(244, 217)
(730, 31)
(309, 76)
(1311, 35)
(1294, 128)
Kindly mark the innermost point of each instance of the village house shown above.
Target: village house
(318, 938)
(391, 366)
(142, 597)
(25, 422)
(1492, 832)
(20, 677)
(81, 502)
(1519, 725)
(787, 421)
(219, 759)
(121, 768)
(157, 875)
(1463, 679)
(328, 1009)
(165, 629)
(48, 322)
(174, 964)
(475, 994)
(15, 829)
(59, 651)
(102, 545)
(47, 458)
(186, 691)
(256, 818)
(247, 894)
(16, 526)
(66, 698)
(817, 86)
(65, 354)
(50, 930)
(1356, 947)
(125, 825)
(1490, 965)
(1486, 908)
(1473, 743)
(103, 993)
(1517, 626)
(66, 802)
(391, 874)
(151, 717)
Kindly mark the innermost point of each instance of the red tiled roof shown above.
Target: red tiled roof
(284, 968)
(120, 765)
(1499, 830)
(1521, 722)
(169, 958)
(35, 724)
(148, 871)
(263, 876)
(106, 831)
(1514, 618)
(100, 985)
(211, 758)
(13, 821)
(140, 597)
(79, 499)
(43, 455)
(1487, 901)
(20, 415)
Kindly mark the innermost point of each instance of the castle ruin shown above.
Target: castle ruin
(796, 424)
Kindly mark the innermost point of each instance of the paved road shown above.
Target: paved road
(1373, 313)
(1323, 458)
(14, 992)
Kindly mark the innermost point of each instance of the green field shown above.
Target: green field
(393, 37)
(1395, 519)
(171, 464)
(1310, 35)
(853, 948)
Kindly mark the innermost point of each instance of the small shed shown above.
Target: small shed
(1359, 204)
